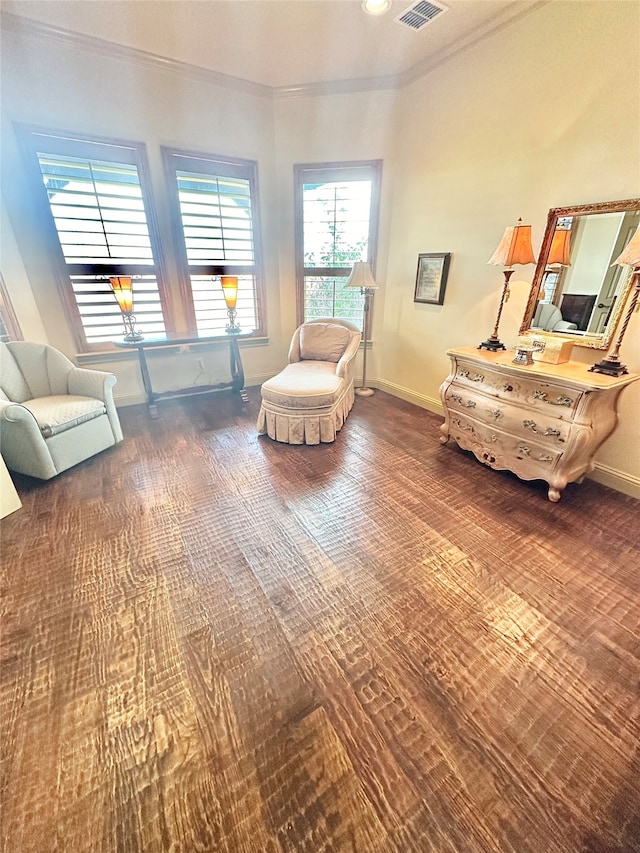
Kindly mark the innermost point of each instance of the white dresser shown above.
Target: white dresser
(543, 421)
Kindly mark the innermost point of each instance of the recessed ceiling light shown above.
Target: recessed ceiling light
(376, 7)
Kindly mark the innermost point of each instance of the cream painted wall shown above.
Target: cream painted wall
(537, 117)
(17, 283)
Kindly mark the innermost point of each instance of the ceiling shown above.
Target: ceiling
(279, 43)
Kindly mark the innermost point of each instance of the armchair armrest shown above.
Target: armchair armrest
(98, 384)
(16, 413)
(91, 383)
(347, 356)
(23, 447)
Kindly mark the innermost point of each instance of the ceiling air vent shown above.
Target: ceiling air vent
(420, 14)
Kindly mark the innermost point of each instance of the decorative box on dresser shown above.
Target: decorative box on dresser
(540, 421)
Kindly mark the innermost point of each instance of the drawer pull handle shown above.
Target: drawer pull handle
(477, 377)
(488, 457)
(534, 428)
(508, 387)
(559, 401)
(470, 404)
(526, 451)
(457, 422)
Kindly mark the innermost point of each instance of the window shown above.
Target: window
(9, 327)
(336, 207)
(97, 193)
(215, 213)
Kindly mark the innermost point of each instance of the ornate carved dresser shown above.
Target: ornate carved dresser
(542, 421)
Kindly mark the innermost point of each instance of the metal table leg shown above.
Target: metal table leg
(146, 381)
(237, 371)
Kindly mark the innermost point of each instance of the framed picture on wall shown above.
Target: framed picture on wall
(431, 279)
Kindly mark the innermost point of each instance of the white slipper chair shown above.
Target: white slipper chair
(52, 414)
(308, 401)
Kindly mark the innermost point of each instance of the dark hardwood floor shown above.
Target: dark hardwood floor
(213, 642)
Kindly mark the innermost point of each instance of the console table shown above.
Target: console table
(541, 421)
(172, 340)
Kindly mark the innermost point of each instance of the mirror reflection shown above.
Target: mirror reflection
(576, 291)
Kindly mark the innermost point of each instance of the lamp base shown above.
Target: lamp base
(364, 392)
(233, 330)
(609, 366)
(131, 334)
(492, 343)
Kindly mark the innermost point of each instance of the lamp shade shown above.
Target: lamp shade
(560, 250)
(123, 291)
(362, 277)
(230, 290)
(515, 247)
(631, 252)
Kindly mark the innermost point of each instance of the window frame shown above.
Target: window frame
(73, 144)
(343, 170)
(8, 315)
(219, 166)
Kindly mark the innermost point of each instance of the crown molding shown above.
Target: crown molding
(135, 56)
(338, 87)
(494, 25)
(91, 44)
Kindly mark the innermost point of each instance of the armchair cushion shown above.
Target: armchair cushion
(62, 412)
(323, 341)
(303, 385)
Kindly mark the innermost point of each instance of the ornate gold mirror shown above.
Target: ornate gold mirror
(576, 293)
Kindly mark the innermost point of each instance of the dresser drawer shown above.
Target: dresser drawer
(540, 421)
(503, 450)
(532, 392)
(509, 417)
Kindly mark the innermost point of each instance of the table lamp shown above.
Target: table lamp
(230, 291)
(631, 255)
(514, 248)
(123, 291)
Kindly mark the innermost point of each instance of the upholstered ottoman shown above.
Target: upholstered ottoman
(308, 401)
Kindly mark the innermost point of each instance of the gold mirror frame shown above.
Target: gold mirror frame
(593, 341)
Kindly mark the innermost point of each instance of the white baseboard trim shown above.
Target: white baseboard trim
(615, 479)
(421, 400)
(618, 480)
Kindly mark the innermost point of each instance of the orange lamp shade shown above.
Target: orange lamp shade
(631, 254)
(560, 250)
(230, 290)
(123, 292)
(515, 246)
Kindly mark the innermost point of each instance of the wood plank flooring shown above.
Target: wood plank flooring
(213, 642)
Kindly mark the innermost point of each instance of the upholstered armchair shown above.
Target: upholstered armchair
(549, 318)
(309, 401)
(52, 414)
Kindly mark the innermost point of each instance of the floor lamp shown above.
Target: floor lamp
(362, 278)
